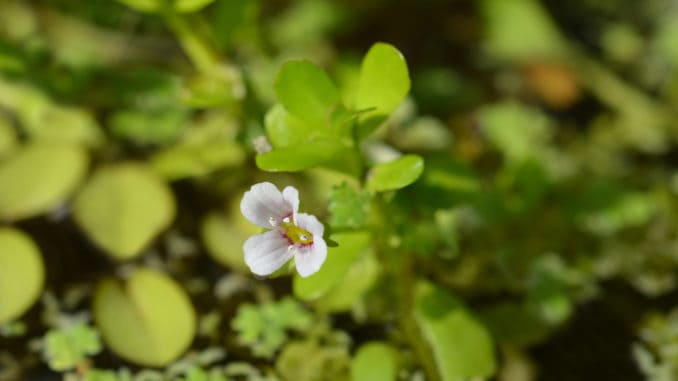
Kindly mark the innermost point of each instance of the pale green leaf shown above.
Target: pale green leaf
(148, 319)
(462, 348)
(53, 123)
(520, 30)
(375, 361)
(384, 80)
(396, 174)
(307, 92)
(149, 127)
(38, 178)
(208, 145)
(102, 375)
(224, 241)
(193, 160)
(349, 208)
(123, 207)
(22, 273)
(66, 348)
(360, 277)
(8, 138)
(313, 359)
(518, 131)
(300, 157)
(263, 327)
(284, 129)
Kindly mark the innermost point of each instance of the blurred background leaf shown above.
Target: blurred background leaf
(147, 319)
(22, 273)
(123, 207)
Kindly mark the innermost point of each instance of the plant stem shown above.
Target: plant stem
(203, 56)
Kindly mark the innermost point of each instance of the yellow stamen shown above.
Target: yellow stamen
(296, 234)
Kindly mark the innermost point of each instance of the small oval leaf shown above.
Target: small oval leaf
(306, 92)
(375, 361)
(38, 178)
(123, 207)
(396, 174)
(148, 319)
(384, 80)
(22, 273)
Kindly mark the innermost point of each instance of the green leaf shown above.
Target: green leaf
(518, 131)
(123, 207)
(349, 208)
(306, 92)
(8, 138)
(44, 120)
(299, 157)
(525, 328)
(224, 241)
(102, 375)
(149, 127)
(283, 129)
(396, 174)
(263, 327)
(194, 160)
(66, 348)
(22, 273)
(52, 123)
(520, 30)
(208, 145)
(148, 319)
(424, 133)
(450, 175)
(303, 25)
(462, 347)
(39, 178)
(157, 6)
(338, 262)
(197, 374)
(313, 359)
(606, 207)
(360, 277)
(220, 87)
(375, 361)
(384, 80)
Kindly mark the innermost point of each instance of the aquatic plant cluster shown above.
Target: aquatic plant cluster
(309, 190)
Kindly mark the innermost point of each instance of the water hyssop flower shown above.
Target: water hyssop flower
(292, 234)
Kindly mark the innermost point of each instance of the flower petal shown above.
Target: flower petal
(264, 201)
(309, 223)
(265, 253)
(309, 259)
(291, 196)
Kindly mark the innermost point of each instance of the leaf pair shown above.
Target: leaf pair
(312, 125)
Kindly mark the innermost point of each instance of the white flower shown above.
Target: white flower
(292, 234)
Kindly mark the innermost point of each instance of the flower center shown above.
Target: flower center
(296, 234)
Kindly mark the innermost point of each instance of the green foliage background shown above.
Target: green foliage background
(496, 177)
